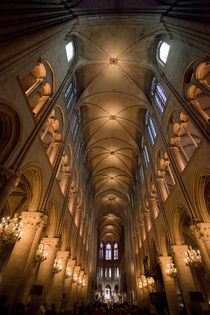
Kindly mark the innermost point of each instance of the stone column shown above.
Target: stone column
(68, 283)
(28, 275)
(145, 293)
(75, 284)
(80, 281)
(204, 233)
(45, 272)
(162, 186)
(184, 274)
(54, 152)
(73, 202)
(170, 286)
(57, 285)
(84, 288)
(147, 219)
(154, 207)
(201, 236)
(176, 154)
(13, 274)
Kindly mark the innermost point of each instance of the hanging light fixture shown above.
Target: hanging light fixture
(41, 253)
(193, 257)
(57, 266)
(150, 280)
(171, 270)
(10, 230)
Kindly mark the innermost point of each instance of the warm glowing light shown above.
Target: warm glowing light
(10, 230)
(41, 253)
(57, 266)
(171, 271)
(68, 272)
(193, 257)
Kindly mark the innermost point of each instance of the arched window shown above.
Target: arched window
(75, 126)
(108, 251)
(70, 93)
(150, 128)
(115, 251)
(145, 152)
(142, 174)
(163, 51)
(159, 95)
(69, 51)
(101, 251)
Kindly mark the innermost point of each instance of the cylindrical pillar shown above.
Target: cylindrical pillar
(177, 156)
(170, 286)
(57, 285)
(45, 273)
(18, 258)
(185, 277)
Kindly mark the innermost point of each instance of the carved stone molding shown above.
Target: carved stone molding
(62, 255)
(32, 220)
(51, 242)
(201, 231)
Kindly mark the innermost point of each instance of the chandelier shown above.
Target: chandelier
(193, 257)
(146, 282)
(10, 230)
(171, 270)
(57, 266)
(41, 253)
(68, 272)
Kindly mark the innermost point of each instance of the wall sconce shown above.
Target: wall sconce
(41, 253)
(57, 266)
(83, 283)
(171, 271)
(10, 230)
(193, 257)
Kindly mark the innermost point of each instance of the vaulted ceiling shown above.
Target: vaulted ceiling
(114, 70)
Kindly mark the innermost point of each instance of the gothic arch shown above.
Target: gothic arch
(34, 174)
(201, 194)
(10, 131)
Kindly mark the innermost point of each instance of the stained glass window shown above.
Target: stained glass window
(70, 93)
(142, 174)
(75, 125)
(151, 128)
(108, 251)
(101, 251)
(145, 152)
(115, 251)
(160, 96)
(163, 51)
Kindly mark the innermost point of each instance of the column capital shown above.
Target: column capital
(201, 230)
(62, 255)
(163, 260)
(32, 220)
(71, 262)
(51, 242)
(179, 250)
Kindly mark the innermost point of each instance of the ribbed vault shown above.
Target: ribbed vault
(114, 65)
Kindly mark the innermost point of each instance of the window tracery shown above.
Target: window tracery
(115, 251)
(145, 153)
(75, 125)
(108, 251)
(70, 93)
(150, 128)
(197, 86)
(159, 94)
(101, 251)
